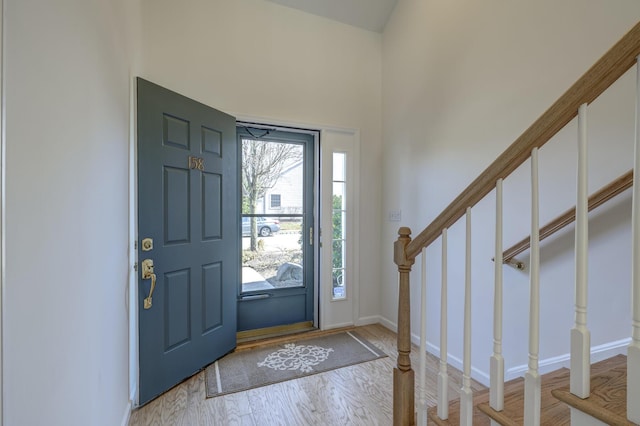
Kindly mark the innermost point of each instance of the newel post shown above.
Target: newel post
(403, 375)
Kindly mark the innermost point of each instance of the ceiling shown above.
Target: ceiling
(368, 14)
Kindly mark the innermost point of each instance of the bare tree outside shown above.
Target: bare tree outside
(262, 165)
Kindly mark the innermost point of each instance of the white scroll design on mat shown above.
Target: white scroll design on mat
(296, 357)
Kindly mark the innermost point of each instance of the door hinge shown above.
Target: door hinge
(135, 245)
(311, 236)
(135, 266)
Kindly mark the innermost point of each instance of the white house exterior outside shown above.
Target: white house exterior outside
(286, 195)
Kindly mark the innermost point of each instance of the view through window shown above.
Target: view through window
(272, 214)
(339, 215)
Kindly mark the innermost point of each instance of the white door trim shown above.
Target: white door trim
(3, 205)
(340, 312)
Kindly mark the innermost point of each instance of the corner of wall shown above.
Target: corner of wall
(127, 415)
(373, 319)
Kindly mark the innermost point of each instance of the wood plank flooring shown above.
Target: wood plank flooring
(357, 395)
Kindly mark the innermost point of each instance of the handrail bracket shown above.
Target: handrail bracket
(515, 263)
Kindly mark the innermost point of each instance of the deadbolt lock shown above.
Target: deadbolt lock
(147, 244)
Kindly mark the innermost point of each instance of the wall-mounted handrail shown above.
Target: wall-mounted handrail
(598, 198)
(619, 59)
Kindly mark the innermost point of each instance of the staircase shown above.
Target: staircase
(604, 393)
(607, 402)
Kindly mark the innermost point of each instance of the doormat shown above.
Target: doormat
(257, 367)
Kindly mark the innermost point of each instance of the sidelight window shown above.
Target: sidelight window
(339, 214)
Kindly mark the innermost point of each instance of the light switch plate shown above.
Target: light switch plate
(395, 215)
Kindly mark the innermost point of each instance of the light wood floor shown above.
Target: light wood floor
(357, 395)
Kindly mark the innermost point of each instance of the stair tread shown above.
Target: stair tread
(607, 364)
(608, 398)
(553, 413)
(554, 410)
(479, 419)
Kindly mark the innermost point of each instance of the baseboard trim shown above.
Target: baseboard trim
(598, 353)
(388, 324)
(127, 414)
(373, 319)
(476, 374)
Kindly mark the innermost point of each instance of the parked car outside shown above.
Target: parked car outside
(266, 226)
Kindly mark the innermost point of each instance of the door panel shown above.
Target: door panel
(211, 292)
(279, 309)
(187, 203)
(211, 203)
(176, 206)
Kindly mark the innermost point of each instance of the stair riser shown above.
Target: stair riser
(582, 419)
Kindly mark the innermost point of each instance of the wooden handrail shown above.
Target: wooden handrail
(592, 84)
(606, 193)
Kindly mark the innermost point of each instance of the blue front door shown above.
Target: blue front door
(188, 235)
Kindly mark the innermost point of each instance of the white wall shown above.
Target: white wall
(254, 58)
(65, 305)
(461, 80)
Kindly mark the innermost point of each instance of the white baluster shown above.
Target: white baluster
(422, 403)
(532, 377)
(580, 336)
(496, 396)
(443, 377)
(633, 354)
(466, 396)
